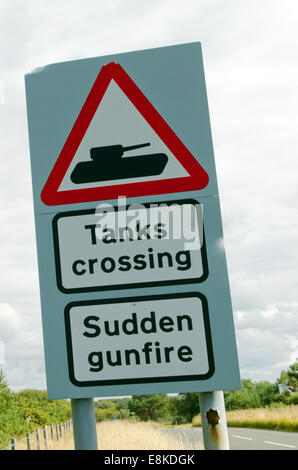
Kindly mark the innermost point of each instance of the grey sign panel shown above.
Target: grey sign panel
(167, 294)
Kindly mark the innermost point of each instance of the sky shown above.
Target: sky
(251, 69)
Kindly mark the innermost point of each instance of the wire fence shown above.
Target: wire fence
(42, 439)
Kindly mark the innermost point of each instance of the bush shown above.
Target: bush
(184, 407)
(103, 414)
(35, 407)
(25, 411)
(291, 399)
(104, 409)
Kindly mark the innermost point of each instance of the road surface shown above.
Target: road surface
(245, 438)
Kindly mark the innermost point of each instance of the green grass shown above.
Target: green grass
(284, 418)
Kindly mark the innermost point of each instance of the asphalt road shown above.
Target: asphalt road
(245, 438)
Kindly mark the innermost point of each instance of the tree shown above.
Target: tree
(102, 414)
(267, 392)
(5, 395)
(247, 397)
(293, 377)
(38, 410)
(184, 407)
(3, 383)
(106, 408)
(149, 407)
(290, 377)
(104, 404)
(122, 406)
(11, 419)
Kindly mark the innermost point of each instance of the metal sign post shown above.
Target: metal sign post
(84, 424)
(214, 423)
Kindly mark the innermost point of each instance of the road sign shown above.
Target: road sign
(131, 341)
(134, 287)
(147, 248)
(92, 165)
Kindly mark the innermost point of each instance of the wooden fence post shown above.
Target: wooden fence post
(37, 432)
(13, 444)
(28, 437)
(45, 437)
(62, 431)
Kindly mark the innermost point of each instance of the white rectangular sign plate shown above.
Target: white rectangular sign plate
(137, 340)
(138, 245)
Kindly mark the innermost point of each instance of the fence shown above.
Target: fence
(42, 439)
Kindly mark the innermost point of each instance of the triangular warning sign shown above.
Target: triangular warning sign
(120, 145)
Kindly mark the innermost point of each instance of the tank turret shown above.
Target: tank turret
(107, 164)
(113, 151)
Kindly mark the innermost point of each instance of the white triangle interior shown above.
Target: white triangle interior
(117, 121)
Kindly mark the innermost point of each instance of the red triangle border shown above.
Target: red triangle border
(197, 180)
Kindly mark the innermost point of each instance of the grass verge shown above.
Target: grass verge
(127, 435)
(278, 419)
(124, 435)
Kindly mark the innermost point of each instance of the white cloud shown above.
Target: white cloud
(22, 348)
(10, 322)
(266, 340)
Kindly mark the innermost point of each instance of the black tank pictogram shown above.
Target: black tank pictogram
(107, 164)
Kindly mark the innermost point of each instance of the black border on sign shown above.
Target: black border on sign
(123, 286)
(140, 380)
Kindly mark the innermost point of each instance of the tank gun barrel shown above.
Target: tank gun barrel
(133, 147)
(113, 151)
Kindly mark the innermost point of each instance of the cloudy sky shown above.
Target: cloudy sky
(250, 56)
